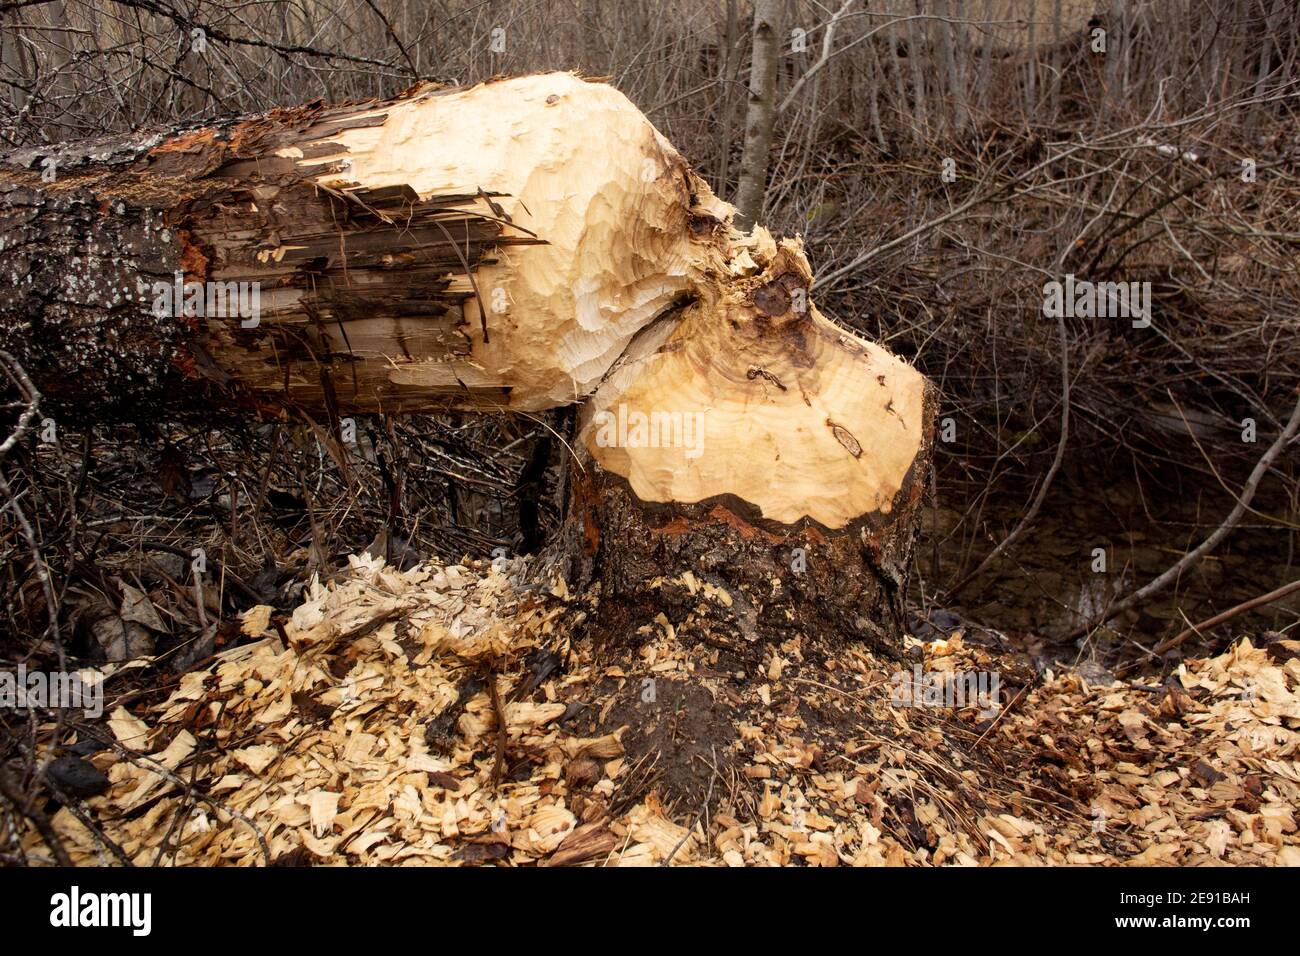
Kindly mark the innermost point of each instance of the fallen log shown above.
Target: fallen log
(516, 246)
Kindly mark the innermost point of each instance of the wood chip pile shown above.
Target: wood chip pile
(364, 730)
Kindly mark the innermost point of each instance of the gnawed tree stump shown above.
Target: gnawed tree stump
(517, 246)
(755, 444)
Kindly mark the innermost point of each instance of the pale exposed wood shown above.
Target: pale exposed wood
(791, 413)
(581, 228)
(576, 164)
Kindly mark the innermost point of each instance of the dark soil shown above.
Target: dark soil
(678, 739)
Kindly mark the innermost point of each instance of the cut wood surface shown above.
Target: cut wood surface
(771, 383)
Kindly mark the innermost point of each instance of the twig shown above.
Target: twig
(1007, 709)
(497, 706)
(1166, 645)
(828, 51)
(30, 394)
(38, 818)
(699, 816)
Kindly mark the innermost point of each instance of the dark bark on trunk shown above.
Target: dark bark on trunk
(81, 257)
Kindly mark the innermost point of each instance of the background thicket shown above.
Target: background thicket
(1104, 140)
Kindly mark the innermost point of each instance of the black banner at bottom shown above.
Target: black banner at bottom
(334, 906)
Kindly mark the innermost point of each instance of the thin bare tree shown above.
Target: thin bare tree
(761, 114)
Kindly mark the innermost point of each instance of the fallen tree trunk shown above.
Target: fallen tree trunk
(487, 248)
(517, 246)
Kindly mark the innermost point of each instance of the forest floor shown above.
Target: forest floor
(363, 729)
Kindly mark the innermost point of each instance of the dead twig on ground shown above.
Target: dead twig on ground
(1167, 645)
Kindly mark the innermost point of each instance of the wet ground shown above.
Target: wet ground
(1095, 539)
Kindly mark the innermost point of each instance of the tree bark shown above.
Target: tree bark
(518, 246)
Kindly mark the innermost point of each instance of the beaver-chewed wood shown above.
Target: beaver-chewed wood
(516, 246)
